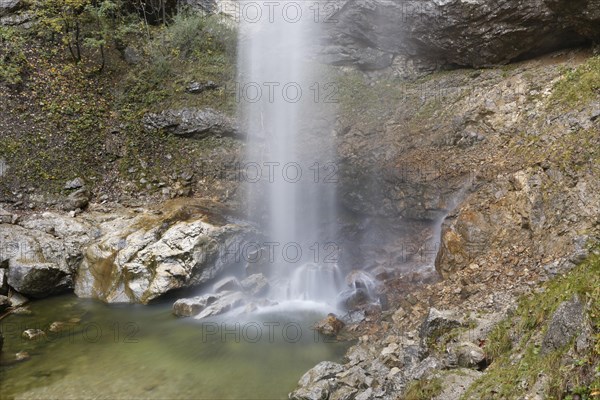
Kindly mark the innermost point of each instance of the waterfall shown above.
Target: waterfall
(286, 107)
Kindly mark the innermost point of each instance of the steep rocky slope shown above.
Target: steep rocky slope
(508, 159)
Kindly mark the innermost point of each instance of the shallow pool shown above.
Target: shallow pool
(143, 352)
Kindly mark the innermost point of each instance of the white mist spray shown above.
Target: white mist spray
(285, 107)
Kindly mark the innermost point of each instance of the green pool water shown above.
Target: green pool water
(143, 352)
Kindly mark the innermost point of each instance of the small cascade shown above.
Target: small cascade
(320, 283)
(361, 289)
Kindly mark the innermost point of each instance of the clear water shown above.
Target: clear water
(126, 352)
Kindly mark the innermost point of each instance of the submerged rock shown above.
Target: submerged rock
(21, 311)
(33, 334)
(209, 305)
(226, 303)
(22, 356)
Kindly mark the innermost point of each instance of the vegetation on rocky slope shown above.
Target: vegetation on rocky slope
(515, 345)
(579, 85)
(525, 138)
(72, 106)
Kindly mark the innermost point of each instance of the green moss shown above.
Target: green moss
(13, 62)
(192, 48)
(578, 86)
(370, 105)
(424, 389)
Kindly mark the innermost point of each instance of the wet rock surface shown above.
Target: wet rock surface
(192, 306)
(329, 326)
(42, 254)
(38, 279)
(255, 284)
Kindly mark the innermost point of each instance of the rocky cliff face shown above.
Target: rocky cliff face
(508, 159)
(503, 153)
(428, 34)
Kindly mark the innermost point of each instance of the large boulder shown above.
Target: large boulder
(140, 258)
(39, 279)
(192, 123)
(566, 323)
(256, 284)
(373, 34)
(226, 301)
(209, 305)
(43, 254)
(438, 323)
